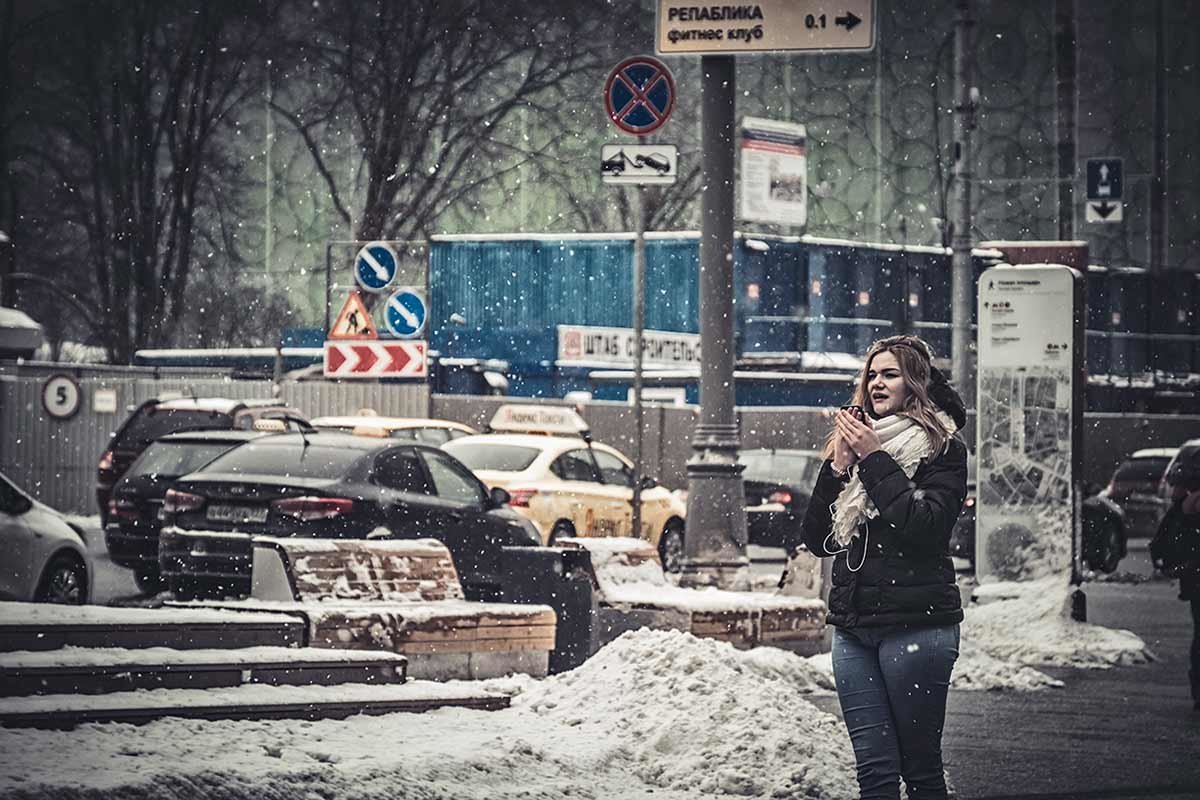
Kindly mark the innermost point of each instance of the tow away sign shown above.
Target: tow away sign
(639, 163)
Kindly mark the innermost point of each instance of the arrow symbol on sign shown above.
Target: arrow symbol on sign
(410, 319)
(1104, 173)
(366, 358)
(400, 357)
(336, 358)
(849, 22)
(1104, 209)
(378, 269)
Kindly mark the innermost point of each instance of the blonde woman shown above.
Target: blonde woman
(884, 504)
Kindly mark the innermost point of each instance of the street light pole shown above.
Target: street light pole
(961, 239)
(715, 539)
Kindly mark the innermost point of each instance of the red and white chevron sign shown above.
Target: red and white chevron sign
(374, 358)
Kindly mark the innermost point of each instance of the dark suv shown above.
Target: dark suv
(131, 533)
(1135, 488)
(158, 417)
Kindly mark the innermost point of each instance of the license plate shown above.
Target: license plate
(220, 513)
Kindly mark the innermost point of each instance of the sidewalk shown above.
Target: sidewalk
(1120, 734)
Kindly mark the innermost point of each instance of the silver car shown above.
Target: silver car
(43, 557)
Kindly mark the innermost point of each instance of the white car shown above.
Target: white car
(435, 432)
(569, 486)
(43, 558)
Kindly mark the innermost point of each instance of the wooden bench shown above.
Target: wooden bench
(397, 595)
(634, 593)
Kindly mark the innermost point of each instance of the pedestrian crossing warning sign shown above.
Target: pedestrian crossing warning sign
(354, 322)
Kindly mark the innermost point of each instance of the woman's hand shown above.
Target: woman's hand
(860, 436)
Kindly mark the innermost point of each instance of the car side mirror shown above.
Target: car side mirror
(648, 482)
(20, 504)
(499, 497)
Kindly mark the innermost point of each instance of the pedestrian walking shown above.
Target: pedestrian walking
(1175, 548)
(884, 503)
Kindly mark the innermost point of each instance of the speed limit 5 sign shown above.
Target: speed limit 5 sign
(60, 396)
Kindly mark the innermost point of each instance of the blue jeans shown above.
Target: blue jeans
(892, 683)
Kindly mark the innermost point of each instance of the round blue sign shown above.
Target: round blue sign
(376, 266)
(639, 95)
(405, 313)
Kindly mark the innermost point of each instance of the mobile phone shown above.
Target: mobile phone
(857, 411)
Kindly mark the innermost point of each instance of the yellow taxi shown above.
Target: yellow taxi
(434, 432)
(566, 484)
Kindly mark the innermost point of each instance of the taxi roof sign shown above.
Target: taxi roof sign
(538, 419)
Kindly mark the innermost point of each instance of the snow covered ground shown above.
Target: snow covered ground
(655, 713)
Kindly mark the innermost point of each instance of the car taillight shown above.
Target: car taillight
(313, 508)
(105, 467)
(780, 497)
(520, 497)
(121, 510)
(969, 502)
(177, 502)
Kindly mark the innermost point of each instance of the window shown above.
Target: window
(11, 500)
(174, 459)
(613, 470)
(451, 481)
(576, 465)
(433, 436)
(293, 460)
(148, 425)
(401, 470)
(1142, 469)
(499, 457)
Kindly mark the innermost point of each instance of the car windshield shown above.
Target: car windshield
(780, 466)
(495, 457)
(173, 459)
(149, 426)
(291, 460)
(1141, 469)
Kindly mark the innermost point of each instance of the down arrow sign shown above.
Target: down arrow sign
(1104, 209)
(849, 22)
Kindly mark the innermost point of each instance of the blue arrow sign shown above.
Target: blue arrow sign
(376, 266)
(406, 313)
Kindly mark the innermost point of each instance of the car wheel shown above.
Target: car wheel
(148, 580)
(64, 582)
(561, 530)
(1107, 549)
(670, 547)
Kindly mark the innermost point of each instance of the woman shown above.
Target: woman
(884, 504)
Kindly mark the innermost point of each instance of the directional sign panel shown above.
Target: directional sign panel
(685, 26)
(1105, 179)
(405, 313)
(639, 95)
(375, 266)
(639, 163)
(375, 358)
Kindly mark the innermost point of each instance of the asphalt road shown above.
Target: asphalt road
(1124, 733)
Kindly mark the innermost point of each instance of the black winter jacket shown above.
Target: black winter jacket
(907, 577)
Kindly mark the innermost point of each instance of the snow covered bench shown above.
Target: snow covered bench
(397, 595)
(634, 593)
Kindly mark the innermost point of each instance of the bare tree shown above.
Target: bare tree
(430, 93)
(129, 100)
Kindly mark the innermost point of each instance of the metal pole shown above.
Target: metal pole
(328, 281)
(639, 326)
(1158, 179)
(1065, 69)
(961, 238)
(715, 539)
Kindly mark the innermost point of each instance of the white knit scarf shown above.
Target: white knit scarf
(906, 442)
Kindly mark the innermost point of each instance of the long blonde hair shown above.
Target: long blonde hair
(914, 357)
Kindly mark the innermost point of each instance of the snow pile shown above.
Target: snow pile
(659, 713)
(1030, 623)
(698, 714)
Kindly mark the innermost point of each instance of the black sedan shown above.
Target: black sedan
(332, 486)
(1104, 536)
(131, 530)
(778, 484)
